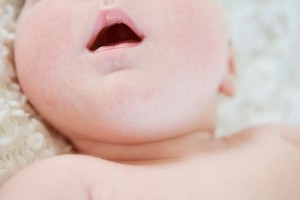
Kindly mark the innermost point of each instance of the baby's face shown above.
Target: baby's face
(154, 77)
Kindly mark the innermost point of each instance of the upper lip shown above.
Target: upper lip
(108, 18)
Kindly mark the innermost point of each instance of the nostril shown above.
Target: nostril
(113, 35)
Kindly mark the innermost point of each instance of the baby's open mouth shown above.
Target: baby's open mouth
(113, 35)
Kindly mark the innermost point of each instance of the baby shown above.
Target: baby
(133, 85)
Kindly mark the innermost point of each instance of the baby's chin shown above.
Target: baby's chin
(120, 139)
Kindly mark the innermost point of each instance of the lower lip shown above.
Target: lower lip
(118, 46)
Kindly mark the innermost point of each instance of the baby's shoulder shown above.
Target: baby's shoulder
(269, 132)
(62, 177)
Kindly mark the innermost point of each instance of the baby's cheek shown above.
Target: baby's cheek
(42, 47)
(204, 44)
(197, 28)
(45, 38)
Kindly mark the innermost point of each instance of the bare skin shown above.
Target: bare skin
(145, 109)
(260, 163)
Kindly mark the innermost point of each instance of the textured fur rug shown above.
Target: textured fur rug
(24, 138)
(266, 36)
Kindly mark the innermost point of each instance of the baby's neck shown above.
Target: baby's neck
(174, 148)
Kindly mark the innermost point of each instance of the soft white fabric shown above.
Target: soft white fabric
(265, 35)
(24, 138)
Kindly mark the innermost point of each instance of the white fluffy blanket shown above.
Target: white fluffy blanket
(24, 138)
(266, 36)
(267, 44)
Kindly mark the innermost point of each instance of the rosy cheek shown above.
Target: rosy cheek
(42, 44)
(202, 28)
(44, 37)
